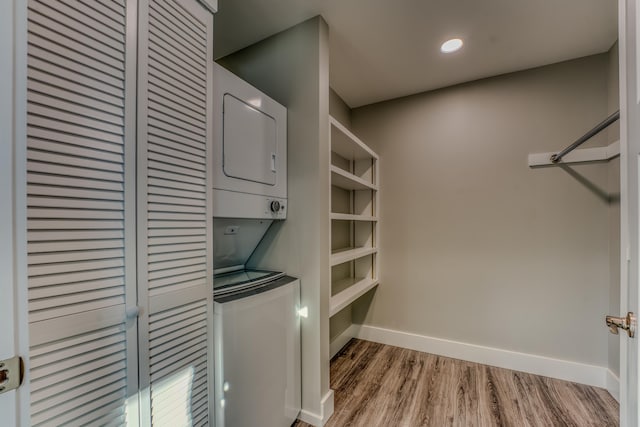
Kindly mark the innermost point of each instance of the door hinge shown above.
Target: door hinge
(627, 323)
(11, 374)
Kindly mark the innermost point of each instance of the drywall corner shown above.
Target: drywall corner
(339, 109)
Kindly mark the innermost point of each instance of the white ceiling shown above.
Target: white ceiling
(383, 49)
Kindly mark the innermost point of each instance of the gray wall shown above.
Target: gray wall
(478, 247)
(293, 68)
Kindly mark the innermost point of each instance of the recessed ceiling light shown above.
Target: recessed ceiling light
(451, 45)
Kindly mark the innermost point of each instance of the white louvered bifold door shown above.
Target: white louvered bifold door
(81, 216)
(175, 262)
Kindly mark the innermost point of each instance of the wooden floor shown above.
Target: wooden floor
(380, 385)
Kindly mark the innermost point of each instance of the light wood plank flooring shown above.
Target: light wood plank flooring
(381, 385)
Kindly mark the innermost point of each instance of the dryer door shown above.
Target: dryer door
(249, 142)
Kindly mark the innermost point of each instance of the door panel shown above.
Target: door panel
(630, 188)
(80, 215)
(174, 219)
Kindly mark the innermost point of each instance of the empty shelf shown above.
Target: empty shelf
(358, 288)
(346, 144)
(350, 217)
(348, 181)
(349, 254)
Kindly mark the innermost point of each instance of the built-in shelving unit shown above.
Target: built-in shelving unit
(354, 288)
(341, 256)
(354, 218)
(348, 181)
(350, 217)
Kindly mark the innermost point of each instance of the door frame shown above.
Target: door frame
(14, 405)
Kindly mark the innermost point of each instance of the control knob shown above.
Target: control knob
(275, 206)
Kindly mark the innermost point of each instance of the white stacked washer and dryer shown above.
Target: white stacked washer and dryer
(257, 326)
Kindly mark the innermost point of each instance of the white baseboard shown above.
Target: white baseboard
(341, 340)
(613, 385)
(326, 409)
(540, 365)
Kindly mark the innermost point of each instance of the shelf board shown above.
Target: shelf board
(348, 181)
(349, 254)
(349, 217)
(356, 288)
(346, 144)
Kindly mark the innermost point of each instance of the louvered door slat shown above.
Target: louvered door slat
(81, 116)
(64, 73)
(163, 97)
(169, 120)
(74, 356)
(76, 265)
(73, 182)
(53, 224)
(57, 171)
(92, 101)
(184, 19)
(188, 197)
(70, 52)
(176, 283)
(186, 37)
(69, 310)
(177, 117)
(60, 84)
(74, 193)
(81, 108)
(84, 409)
(73, 160)
(44, 259)
(163, 137)
(175, 66)
(181, 63)
(177, 152)
(178, 247)
(72, 213)
(161, 76)
(79, 275)
(62, 32)
(68, 400)
(160, 166)
(58, 202)
(172, 105)
(171, 184)
(166, 92)
(178, 147)
(106, 7)
(39, 293)
(74, 22)
(52, 146)
(177, 255)
(79, 13)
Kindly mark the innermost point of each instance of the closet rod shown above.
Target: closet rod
(596, 130)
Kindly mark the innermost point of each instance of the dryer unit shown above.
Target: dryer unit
(250, 151)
